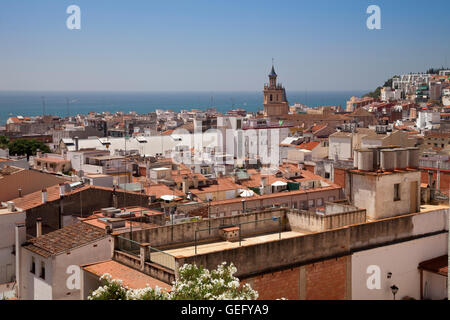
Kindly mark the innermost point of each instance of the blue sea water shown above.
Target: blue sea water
(30, 103)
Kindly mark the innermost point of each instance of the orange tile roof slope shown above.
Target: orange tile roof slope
(308, 145)
(159, 190)
(50, 159)
(223, 184)
(255, 179)
(65, 239)
(129, 276)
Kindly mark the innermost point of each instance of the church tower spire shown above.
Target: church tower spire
(275, 102)
(272, 77)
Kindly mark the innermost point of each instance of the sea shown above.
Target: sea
(63, 104)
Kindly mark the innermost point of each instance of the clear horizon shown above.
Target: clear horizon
(204, 46)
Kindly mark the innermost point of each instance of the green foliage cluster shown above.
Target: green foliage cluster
(377, 92)
(20, 147)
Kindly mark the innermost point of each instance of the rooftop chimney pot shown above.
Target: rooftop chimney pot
(44, 195)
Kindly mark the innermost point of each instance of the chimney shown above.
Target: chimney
(195, 179)
(11, 206)
(115, 201)
(38, 227)
(44, 195)
(76, 143)
(20, 192)
(185, 185)
(62, 187)
(263, 184)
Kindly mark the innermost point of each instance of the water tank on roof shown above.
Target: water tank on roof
(388, 159)
(365, 160)
(402, 158)
(413, 157)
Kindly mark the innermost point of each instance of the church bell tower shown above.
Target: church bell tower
(275, 102)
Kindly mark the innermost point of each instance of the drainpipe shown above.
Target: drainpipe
(19, 239)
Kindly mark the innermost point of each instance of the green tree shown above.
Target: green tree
(27, 147)
(194, 283)
(4, 142)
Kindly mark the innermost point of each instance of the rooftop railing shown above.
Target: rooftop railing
(156, 256)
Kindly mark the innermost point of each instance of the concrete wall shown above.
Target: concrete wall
(184, 233)
(302, 220)
(375, 193)
(402, 260)
(340, 146)
(151, 269)
(7, 241)
(287, 253)
(89, 282)
(99, 250)
(33, 286)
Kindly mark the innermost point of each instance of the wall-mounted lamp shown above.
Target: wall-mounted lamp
(394, 289)
(389, 275)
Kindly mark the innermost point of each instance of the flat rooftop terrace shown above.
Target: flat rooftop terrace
(189, 251)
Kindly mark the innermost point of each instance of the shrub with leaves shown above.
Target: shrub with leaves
(112, 289)
(194, 283)
(197, 283)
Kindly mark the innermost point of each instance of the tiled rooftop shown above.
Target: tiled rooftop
(65, 239)
(130, 277)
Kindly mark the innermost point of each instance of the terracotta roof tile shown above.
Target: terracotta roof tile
(130, 277)
(65, 239)
(308, 145)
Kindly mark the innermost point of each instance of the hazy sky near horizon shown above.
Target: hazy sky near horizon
(209, 45)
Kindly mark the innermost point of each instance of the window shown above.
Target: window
(33, 265)
(304, 205)
(43, 270)
(271, 98)
(331, 199)
(310, 203)
(319, 202)
(397, 192)
(327, 175)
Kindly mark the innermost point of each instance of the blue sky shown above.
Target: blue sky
(145, 45)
